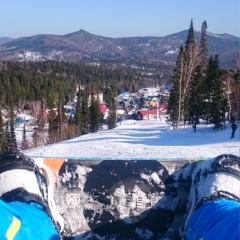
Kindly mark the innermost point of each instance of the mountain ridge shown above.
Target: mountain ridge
(81, 46)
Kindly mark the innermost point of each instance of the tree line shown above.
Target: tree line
(34, 81)
(201, 90)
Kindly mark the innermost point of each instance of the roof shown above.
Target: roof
(103, 108)
(146, 111)
(161, 107)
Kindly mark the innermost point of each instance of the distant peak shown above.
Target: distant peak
(83, 31)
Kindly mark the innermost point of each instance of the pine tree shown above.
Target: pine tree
(141, 101)
(190, 38)
(1, 120)
(176, 94)
(25, 143)
(208, 90)
(196, 101)
(1, 126)
(204, 48)
(3, 137)
(13, 148)
(95, 114)
(4, 147)
(112, 119)
(216, 100)
(235, 96)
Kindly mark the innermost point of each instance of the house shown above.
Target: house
(144, 114)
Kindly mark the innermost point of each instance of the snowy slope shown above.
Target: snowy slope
(147, 139)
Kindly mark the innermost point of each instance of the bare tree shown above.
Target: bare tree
(181, 89)
(228, 90)
(38, 110)
(35, 109)
(189, 60)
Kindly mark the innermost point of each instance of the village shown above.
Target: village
(146, 104)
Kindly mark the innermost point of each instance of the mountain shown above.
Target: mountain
(5, 39)
(84, 46)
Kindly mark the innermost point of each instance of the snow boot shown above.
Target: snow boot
(21, 180)
(213, 180)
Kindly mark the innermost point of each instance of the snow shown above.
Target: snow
(37, 56)
(213, 35)
(146, 139)
(135, 140)
(172, 51)
(118, 47)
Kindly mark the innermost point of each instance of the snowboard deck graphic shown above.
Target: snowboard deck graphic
(119, 199)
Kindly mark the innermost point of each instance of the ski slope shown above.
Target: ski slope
(146, 139)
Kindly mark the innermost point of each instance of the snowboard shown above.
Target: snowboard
(118, 199)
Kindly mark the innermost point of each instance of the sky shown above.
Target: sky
(147, 139)
(117, 18)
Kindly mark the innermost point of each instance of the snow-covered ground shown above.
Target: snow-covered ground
(147, 139)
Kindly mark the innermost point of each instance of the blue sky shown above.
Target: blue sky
(117, 18)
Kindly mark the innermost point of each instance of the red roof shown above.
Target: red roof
(146, 111)
(102, 108)
(161, 107)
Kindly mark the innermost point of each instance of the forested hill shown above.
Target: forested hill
(49, 80)
(84, 46)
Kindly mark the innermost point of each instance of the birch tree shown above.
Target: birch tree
(187, 62)
(229, 81)
(192, 59)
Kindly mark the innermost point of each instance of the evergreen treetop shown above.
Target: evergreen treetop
(190, 37)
